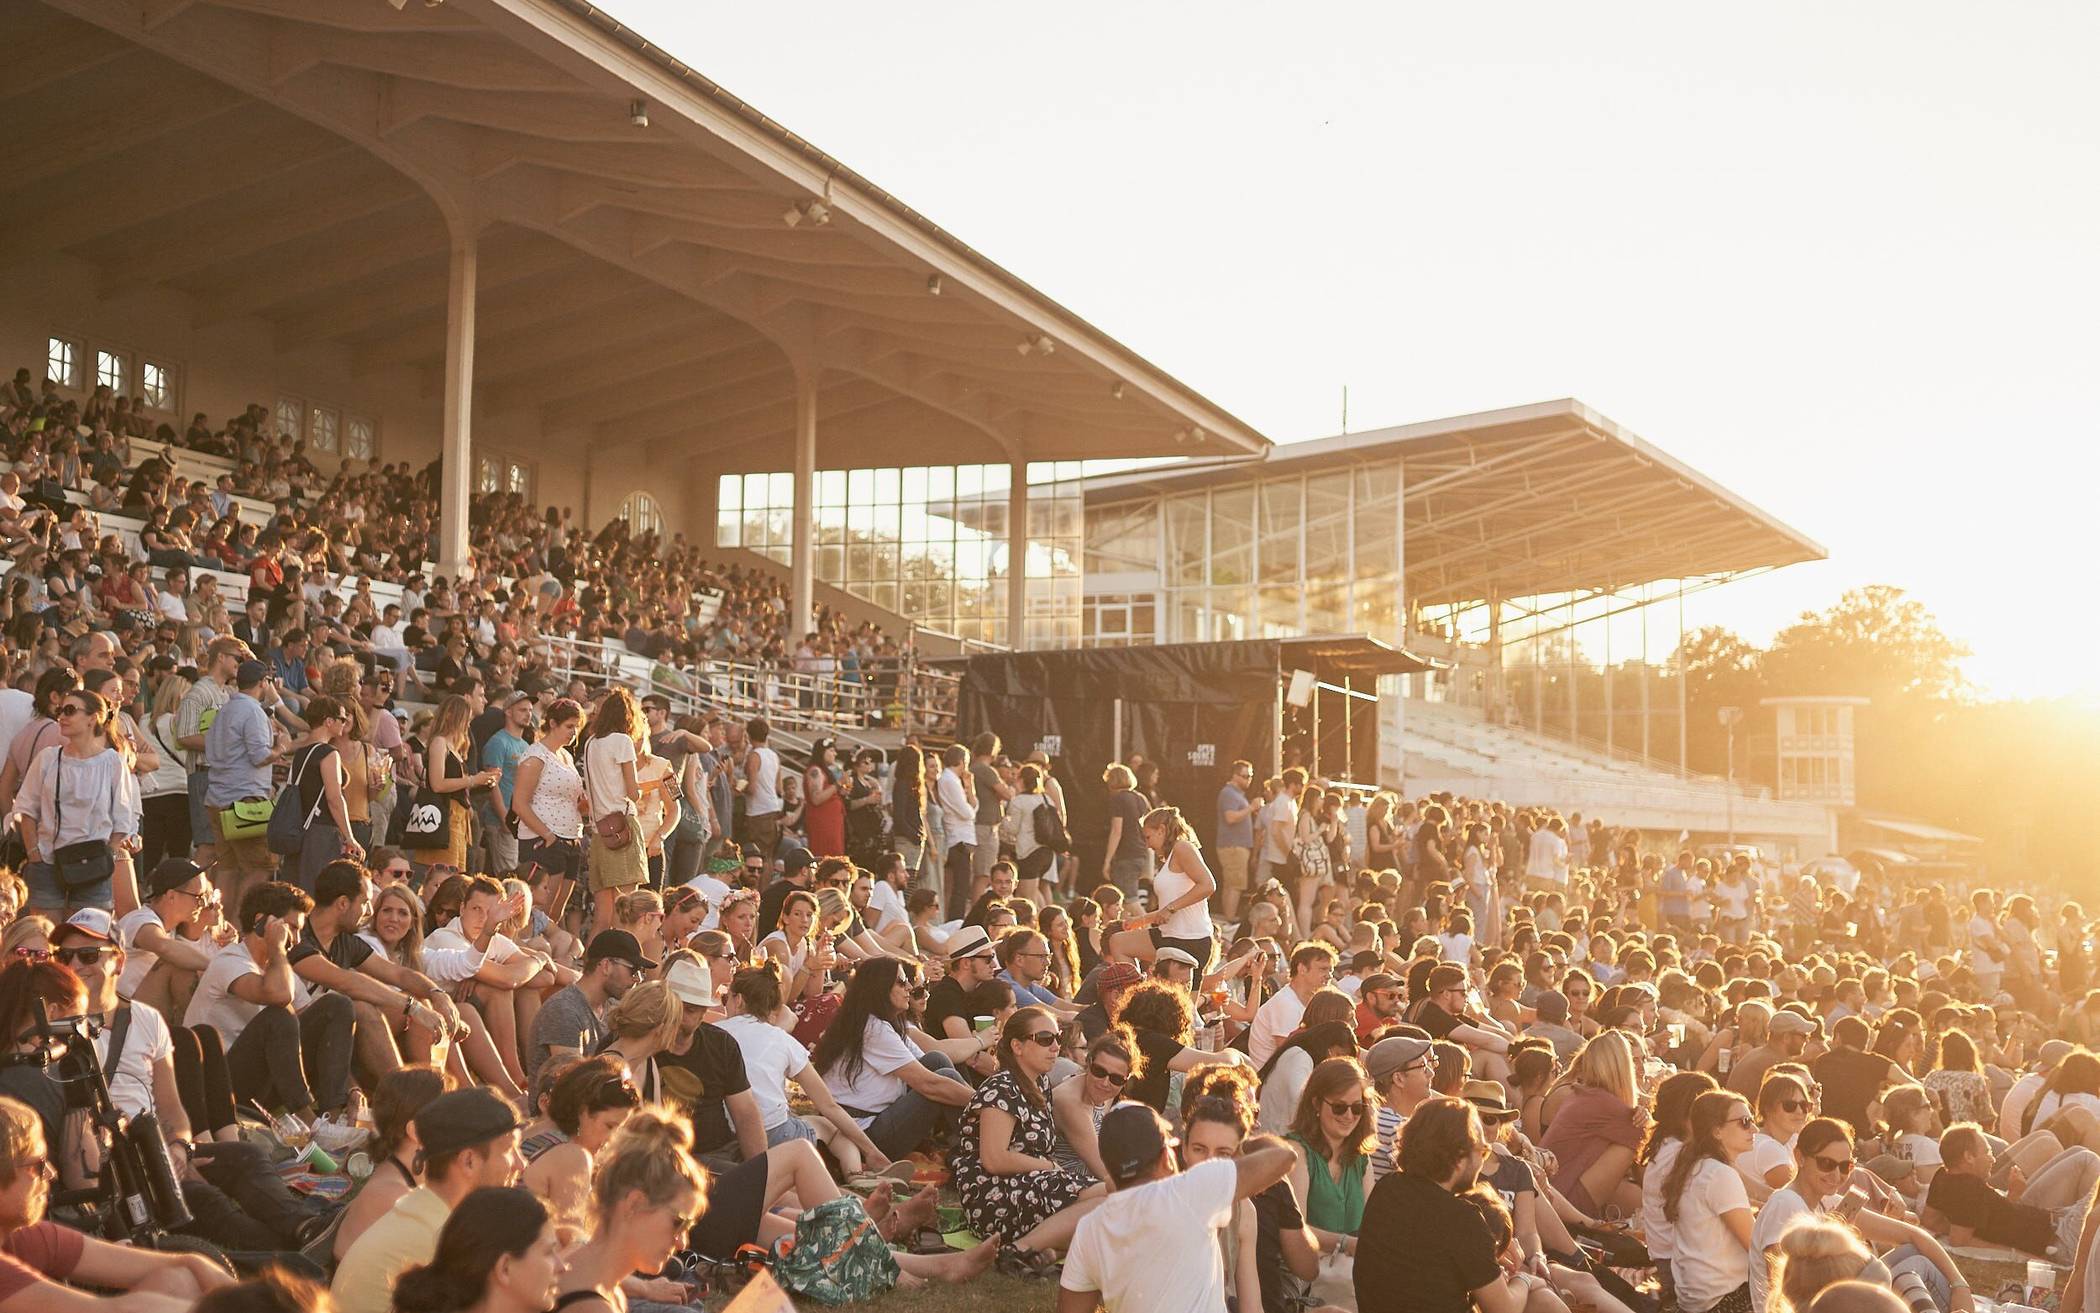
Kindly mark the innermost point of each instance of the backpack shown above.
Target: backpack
(1050, 828)
(287, 832)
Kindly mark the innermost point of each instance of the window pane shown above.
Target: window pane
(1280, 512)
(1186, 548)
(289, 411)
(488, 475)
(62, 362)
(109, 370)
(358, 439)
(520, 478)
(157, 386)
(729, 493)
(320, 429)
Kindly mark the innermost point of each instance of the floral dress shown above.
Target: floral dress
(1016, 1204)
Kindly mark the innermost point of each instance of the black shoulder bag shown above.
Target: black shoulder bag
(78, 865)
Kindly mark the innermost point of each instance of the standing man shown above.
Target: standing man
(1235, 846)
(761, 789)
(993, 792)
(1547, 866)
(240, 749)
(504, 750)
(1152, 1245)
(200, 707)
(957, 806)
(1279, 827)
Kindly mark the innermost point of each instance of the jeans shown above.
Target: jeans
(201, 831)
(1906, 1258)
(905, 1124)
(1125, 872)
(918, 859)
(243, 1203)
(684, 847)
(498, 842)
(295, 1061)
(957, 868)
(794, 1128)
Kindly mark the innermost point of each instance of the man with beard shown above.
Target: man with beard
(1442, 1148)
(572, 1020)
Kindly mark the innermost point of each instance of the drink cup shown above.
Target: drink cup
(1723, 1060)
(2041, 1281)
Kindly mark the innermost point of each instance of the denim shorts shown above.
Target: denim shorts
(46, 891)
(794, 1128)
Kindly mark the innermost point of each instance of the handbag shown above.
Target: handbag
(286, 830)
(612, 830)
(78, 865)
(430, 821)
(1311, 854)
(247, 818)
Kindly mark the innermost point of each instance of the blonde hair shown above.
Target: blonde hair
(1172, 821)
(1606, 1063)
(409, 952)
(21, 1131)
(1753, 1019)
(1813, 1253)
(452, 723)
(23, 930)
(629, 908)
(649, 1009)
(833, 910)
(518, 928)
(652, 1153)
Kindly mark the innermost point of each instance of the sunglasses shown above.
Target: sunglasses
(1099, 1072)
(80, 957)
(1842, 1165)
(28, 954)
(1047, 1039)
(1794, 1105)
(1339, 1109)
(69, 709)
(1740, 1121)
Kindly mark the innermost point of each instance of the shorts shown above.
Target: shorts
(622, 868)
(247, 856)
(1232, 868)
(762, 833)
(46, 892)
(736, 1200)
(1200, 949)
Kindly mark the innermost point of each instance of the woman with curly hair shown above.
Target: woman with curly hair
(1163, 1017)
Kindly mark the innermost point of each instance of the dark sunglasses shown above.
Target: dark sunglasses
(1841, 1165)
(1794, 1105)
(1044, 1039)
(1099, 1072)
(1339, 1109)
(80, 957)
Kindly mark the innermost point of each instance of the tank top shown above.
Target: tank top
(1332, 1205)
(762, 798)
(1191, 922)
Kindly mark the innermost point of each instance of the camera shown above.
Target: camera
(138, 1196)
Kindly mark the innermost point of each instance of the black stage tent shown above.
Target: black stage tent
(1192, 708)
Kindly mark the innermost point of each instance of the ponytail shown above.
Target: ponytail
(652, 1153)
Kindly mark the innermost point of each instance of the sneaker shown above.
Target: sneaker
(337, 1136)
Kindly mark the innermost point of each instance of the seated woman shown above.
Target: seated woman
(396, 930)
(803, 955)
(1333, 1135)
(500, 1251)
(896, 1081)
(588, 1103)
(1823, 1169)
(1597, 1130)
(772, 1058)
(1010, 1186)
(1328, 1030)
(1783, 1108)
(396, 1166)
(1163, 1017)
(1079, 1104)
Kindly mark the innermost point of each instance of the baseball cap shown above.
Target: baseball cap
(618, 946)
(462, 1119)
(1378, 980)
(970, 941)
(691, 982)
(1791, 1023)
(249, 672)
(798, 859)
(516, 696)
(92, 922)
(1391, 1054)
(171, 873)
(1131, 1139)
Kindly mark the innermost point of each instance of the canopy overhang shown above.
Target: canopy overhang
(659, 262)
(1524, 502)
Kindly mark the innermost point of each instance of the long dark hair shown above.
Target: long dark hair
(491, 1223)
(1673, 1109)
(867, 998)
(910, 773)
(22, 983)
(1702, 1140)
(1317, 1041)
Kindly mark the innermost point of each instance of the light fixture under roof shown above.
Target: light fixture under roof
(933, 284)
(1040, 342)
(815, 213)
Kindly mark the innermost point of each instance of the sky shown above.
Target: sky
(1844, 259)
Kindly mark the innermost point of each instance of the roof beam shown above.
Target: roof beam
(417, 293)
(533, 373)
(627, 364)
(467, 62)
(427, 341)
(359, 17)
(295, 271)
(556, 115)
(755, 358)
(45, 48)
(271, 215)
(136, 99)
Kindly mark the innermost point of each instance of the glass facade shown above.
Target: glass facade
(1294, 554)
(927, 541)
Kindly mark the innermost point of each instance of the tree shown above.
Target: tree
(1721, 669)
(1874, 643)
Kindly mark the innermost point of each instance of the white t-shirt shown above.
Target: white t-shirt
(1281, 1089)
(1548, 859)
(1772, 1221)
(771, 1055)
(1656, 1227)
(885, 907)
(1709, 1261)
(1154, 1248)
(602, 758)
(1922, 1150)
(215, 1004)
(876, 1085)
(1280, 809)
(1765, 1154)
(137, 961)
(131, 1078)
(17, 709)
(1455, 948)
(1733, 899)
(2051, 1102)
(1274, 1023)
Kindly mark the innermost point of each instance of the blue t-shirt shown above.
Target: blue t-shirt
(1025, 994)
(1239, 833)
(504, 750)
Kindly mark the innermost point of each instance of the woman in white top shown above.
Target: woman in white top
(772, 1058)
(611, 763)
(1673, 1117)
(1031, 858)
(794, 944)
(1783, 1108)
(548, 796)
(1181, 892)
(1704, 1197)
(80, 791)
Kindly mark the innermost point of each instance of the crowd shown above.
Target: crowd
(544, 996)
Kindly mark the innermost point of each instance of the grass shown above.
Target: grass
(990, 1291)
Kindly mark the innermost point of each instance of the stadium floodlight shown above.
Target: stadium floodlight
(638, 113)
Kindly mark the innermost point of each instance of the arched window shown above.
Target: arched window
(642, 514)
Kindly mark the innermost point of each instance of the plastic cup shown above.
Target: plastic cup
(2041, 1280)
(980, 1024)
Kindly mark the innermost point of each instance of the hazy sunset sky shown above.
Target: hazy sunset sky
(1844, 259)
